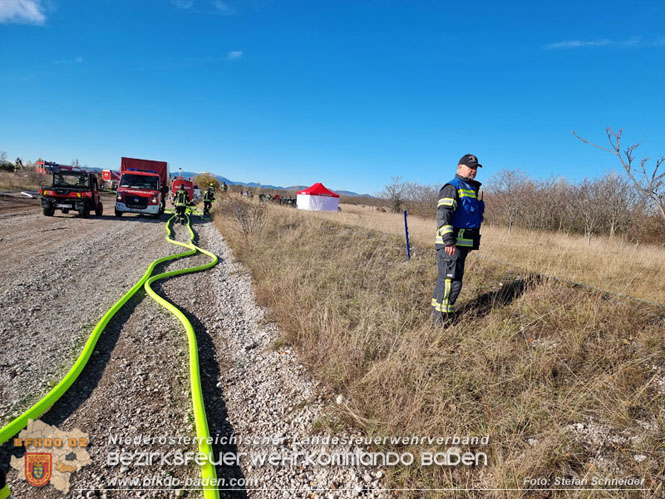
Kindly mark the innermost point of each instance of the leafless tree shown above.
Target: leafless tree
(394, 194)
(508, 189)
(650, 185)
(589, 205)
(617, 199)
(421, 199)
(557, 203)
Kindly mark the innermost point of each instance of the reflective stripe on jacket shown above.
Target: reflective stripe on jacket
(181, 198)
(459, 213)
(468, 214)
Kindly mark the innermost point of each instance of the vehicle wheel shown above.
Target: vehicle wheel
(99, 210)
(65, 210)
(48, 211)
(118, 213)
(85, 212)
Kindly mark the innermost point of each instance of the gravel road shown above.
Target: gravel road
(62, 273)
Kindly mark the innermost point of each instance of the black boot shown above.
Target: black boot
(443, 320)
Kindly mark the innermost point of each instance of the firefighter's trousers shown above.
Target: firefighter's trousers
(448, 282)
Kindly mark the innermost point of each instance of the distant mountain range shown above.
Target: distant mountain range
(189, 175)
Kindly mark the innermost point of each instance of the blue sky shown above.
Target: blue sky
(350, 93)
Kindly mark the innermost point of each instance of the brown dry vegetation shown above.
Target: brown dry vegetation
(530, 358)
(22, 180)
(606, 263)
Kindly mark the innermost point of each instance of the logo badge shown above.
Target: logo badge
(38, 468)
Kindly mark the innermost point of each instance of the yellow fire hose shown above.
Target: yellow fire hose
(207, 470)
(203, 435)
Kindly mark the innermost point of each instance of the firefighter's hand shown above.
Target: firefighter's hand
(450, 250)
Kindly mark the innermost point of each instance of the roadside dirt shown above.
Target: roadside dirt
(61, 274)
(16, 202)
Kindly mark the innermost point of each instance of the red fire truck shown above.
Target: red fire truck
(144, 185)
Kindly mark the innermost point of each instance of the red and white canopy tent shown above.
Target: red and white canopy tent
(317, 198)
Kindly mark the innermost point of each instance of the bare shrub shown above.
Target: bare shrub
(394, 194)
(619, 199)
(607, 205)
(418, 199)
(589, 206)
(250, 217)
(506, 202)
(421, 199)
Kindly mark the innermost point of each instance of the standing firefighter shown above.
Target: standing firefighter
(459, 214)
(208, 198)
(181, 199)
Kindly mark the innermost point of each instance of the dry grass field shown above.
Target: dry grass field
(26, 180)
(607, 264)
(566, 382)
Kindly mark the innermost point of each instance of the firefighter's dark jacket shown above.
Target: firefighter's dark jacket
(181, 198)
(459, 213)
(208, 196)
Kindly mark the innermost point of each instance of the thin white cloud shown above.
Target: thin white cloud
(183, 4)
(577, 43)
(573, 44)
(215, 7)
(21, 11)
(76, 60)
(234, 55)
(222, 7)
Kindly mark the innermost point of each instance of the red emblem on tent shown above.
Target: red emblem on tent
(38, 468)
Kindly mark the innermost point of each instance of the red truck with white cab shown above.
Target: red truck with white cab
(111, 178)
(143, 187)
(188, 184)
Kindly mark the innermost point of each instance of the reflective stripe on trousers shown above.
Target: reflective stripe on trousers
(449, 280)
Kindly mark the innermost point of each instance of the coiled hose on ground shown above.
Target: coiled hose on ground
(208, 473)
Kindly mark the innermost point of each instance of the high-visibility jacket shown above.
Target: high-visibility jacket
(181, 198)
(208, 196)
(459, 213)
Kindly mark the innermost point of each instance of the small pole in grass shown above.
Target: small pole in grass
(406, 233)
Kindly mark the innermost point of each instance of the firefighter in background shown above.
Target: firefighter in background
(225, 187)
(459, 214)
(181, 199)
(208, 198)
